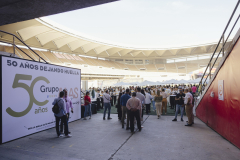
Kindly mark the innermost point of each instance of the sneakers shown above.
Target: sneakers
(60, 136)
(84, 118)
(174, 119)
(68, 136)
(109, 118)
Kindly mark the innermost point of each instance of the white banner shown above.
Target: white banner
(220, 90)
(28, 90)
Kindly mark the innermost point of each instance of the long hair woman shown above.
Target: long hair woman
(153, 101)
(158, 103)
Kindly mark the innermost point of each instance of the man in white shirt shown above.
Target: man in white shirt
(189, 107)
(148, 98)
(107, 105)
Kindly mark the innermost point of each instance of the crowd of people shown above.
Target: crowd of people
(131, 103)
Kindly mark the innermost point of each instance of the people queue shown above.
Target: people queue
(131, 103)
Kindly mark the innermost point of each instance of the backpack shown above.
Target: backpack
(55, 108)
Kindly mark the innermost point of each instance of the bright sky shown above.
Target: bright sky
(152, 23)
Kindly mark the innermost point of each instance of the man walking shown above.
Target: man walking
(125, 111)
(61, 115)
(179, 104)
(134, 106)
(68, 106)
(189, 107)
(107, 105)
(148, 102)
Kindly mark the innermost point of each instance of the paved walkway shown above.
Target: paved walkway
(95, 139)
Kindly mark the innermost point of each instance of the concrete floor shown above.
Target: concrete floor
(95, 139)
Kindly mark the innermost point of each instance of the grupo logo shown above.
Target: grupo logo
(29, 89)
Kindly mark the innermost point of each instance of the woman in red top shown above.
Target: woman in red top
(87, 104)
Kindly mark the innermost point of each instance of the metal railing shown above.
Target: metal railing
(15, 46)
(210, 65)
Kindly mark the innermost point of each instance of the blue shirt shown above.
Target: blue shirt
(124, 99)
(62, 106)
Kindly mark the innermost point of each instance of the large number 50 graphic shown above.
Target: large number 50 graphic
(17, 84)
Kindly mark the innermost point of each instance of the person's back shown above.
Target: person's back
(134, 106)
(148, 102)
(158, 98)
(141, 97)
(107, 105)
(124, 99)
(61, 103)
(61, 115)
(194, 89)
(106, 98)
(148, 98)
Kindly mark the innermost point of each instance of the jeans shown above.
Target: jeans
(64, 120)
(153, 104)
(179, 107)
(107, 106)
(88, 110)
(61, 125)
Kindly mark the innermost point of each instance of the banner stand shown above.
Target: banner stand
(28, 90)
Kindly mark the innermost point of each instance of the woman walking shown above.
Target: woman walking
(153, 101)
(158, 102)
(87, 105)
